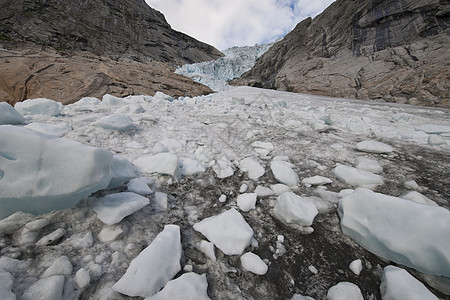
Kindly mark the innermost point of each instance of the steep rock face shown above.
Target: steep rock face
(116, 28)
(389, 50)
(31, 73)
(65, 50)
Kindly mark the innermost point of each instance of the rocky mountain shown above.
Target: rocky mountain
(119, 47)
(388, 50)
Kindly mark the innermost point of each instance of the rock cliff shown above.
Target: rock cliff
(388, 50)
(67, 49)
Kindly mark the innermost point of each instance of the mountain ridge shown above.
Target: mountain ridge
(391, 51)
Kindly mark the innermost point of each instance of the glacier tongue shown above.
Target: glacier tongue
(216, 73)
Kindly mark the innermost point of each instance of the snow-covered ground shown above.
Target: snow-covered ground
(216, 73)
(236, 197)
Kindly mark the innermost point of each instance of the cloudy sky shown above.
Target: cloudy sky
(227, 23)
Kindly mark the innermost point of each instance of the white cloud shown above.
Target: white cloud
(227, 23)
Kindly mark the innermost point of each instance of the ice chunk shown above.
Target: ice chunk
(173, 145)
(81, 240)
(60, 266)
(223, 168)
(49, 288)
(189, 286)
(54, 173)
(37, 225)
(208, 249)
(252, 167)
(401, 116)
(121, 171)
(435, 140)
(112, 208)
(12, 223)
(433, 129)
(52, 238)
(313, 270)
(293, 209)
(246, 201)
(280, 188)
(139, 186)
(397, 283)
(228, 231)
(263, 191)
(161, 200)
(162, 96)
(243, 188)
(6, 282)
(191, 166)
(8, 115)
(284, 173)
(356, 177)
(383, 224)
(419, 198)
(109, 234)
(368, 164)
(112, 101)
(374, 147)
(82, 278)
(316, 180)
(253, 263)
(162, 163)
(356, 267)
(115, 122)
(39, 106)
(344, 291)
(154, 266)
(58, 130)
(301, 297)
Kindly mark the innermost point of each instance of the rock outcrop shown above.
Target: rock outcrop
(388, 50)
(67, 49)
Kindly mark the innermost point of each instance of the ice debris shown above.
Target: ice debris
(252, 167)
(397, 283)
(111, 209)
(189, 286)
(154, 266)
(284, 173)
(383, 224)
(374, 147)
(39, 106)
(293, 209)
(115, 122)
(228, 231)
(344, 291)
(49, 288)
(357, 177)
(161, 163)
(8, 115)
(246, 201)
(253, 263)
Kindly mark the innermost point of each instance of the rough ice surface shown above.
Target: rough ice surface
(111, 209)
(39, 106)
(293, 209)
(434, 128)
(344, 291)
(189, 286)
(357, 177)
(374, 147)
(368, 164)
(228, 231)
(246, 201)
(284, 173)
(54, 173)
(139, 186)
(60, 266)
(191, 166)
(223, 167)
(58, 130)
(6, 282)
(397, 283)
(316, 180)
(383, 224)
(252, 167)
(9, 116)
(115, 122)
(161, 163)
(49, 288)
(253, 263)
(154, 266)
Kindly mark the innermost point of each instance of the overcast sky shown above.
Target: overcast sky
(227, 23)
